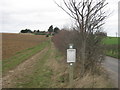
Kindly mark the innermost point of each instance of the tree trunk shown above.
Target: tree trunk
(83, 57)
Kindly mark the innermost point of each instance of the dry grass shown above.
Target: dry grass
(90, 81)
(98, 80)
(13, 43)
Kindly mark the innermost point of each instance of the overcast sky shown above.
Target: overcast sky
(40, 14)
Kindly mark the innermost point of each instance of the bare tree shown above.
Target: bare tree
(89, 16)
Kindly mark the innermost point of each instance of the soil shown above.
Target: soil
(13, 43)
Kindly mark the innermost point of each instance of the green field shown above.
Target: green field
(111, 45)
(111, 40)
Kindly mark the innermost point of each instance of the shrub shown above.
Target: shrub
(94, 49)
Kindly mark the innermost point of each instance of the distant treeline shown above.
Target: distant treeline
(50, 31)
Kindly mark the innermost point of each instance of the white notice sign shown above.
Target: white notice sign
(71, 55)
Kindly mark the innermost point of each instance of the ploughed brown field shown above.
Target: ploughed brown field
(13, 43)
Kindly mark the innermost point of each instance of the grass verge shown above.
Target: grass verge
(114, 54)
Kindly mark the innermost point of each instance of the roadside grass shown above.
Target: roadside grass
(113, 53)
(112, 44)
(58, 55)
(93, 81)
(20, 57)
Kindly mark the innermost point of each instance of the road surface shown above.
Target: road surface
(112, 65)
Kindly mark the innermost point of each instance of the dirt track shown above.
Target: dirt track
(21, 70)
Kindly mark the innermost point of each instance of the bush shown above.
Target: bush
(47, 35)
(94, 50)
(26, 31)
(62, 40)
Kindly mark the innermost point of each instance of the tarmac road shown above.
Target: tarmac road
(112, 65)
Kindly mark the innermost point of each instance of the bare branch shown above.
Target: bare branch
(87, 13)
(65, 10)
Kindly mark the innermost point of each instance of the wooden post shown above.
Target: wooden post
(71, 74)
